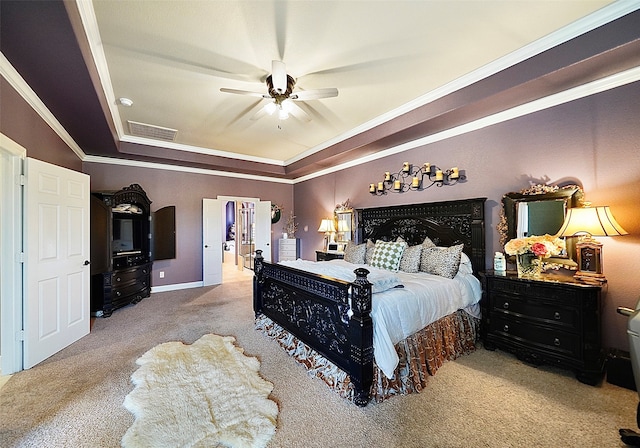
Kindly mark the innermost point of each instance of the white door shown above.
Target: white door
(212, 241)
(263, 228)
(56, 223)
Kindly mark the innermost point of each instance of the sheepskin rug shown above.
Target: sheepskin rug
(207, 394)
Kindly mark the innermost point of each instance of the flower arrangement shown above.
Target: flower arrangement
(291, 226)
(541, 246)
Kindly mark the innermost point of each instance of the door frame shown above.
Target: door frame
(11, 282)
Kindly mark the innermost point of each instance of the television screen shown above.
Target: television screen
(127, 236)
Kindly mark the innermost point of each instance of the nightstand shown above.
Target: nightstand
(329, 255)
(545, 322)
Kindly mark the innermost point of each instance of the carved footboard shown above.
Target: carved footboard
(331, 316)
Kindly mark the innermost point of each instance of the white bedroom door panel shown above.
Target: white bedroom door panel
(212, 241)
(56, 309)
(263, 229)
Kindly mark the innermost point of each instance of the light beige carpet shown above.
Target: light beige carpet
(485, 399)
(200, 395)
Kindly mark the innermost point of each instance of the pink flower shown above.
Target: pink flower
(539, 249)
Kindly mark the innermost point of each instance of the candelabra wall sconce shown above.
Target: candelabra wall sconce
(415, 178)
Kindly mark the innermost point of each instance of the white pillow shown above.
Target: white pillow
(466, 267)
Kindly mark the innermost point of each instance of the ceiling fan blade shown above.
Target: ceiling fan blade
(298, 113)
(245, 92)
(316, 94)
(279, 76)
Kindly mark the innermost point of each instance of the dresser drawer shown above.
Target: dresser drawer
(540, 290)
(130, 288)
(123, 276)
(555, 314)
(549, 340)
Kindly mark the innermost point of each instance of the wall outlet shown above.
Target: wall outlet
(161, 274)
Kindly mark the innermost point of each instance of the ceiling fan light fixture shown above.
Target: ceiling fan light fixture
(283, 114)
(270, 108)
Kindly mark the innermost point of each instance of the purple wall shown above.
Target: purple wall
(22, 124)
(186, 191)
(592, 142)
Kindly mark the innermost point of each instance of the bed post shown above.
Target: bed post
(361, 332)
(257, 282)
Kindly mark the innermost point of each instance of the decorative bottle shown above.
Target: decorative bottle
(499, 262)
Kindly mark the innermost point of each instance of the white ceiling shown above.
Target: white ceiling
(172, 57)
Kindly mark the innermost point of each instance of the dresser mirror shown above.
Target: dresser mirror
(539, 210)
(345, 224)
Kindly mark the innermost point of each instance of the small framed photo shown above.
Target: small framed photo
(590, 262)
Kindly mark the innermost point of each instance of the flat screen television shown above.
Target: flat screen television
(128, 235)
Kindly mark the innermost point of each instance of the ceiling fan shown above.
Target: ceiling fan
(280, 89)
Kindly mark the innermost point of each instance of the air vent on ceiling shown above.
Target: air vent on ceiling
(150, 131)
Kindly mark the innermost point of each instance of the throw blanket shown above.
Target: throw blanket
(380, 279)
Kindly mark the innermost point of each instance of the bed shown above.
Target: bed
(325, 321)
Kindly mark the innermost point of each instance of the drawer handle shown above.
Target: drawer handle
(556, 316)
(506, 328)
(505, 305)
(556, 342)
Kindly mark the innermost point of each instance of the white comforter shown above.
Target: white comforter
(397, 313)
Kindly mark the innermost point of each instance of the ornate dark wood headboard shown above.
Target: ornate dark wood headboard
(446, 223)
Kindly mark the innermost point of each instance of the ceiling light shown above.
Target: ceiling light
(270, 108)
(283, 114)
(125, 102)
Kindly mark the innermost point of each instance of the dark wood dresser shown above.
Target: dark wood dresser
(545, 322)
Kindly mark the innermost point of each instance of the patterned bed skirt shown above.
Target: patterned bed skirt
(421, 354)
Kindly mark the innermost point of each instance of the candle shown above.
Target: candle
(439, 175)
(455, 173)
(387, 176)
(380, 186)
(396, 185)
(372, 188)
(415, 183)
(405, 167)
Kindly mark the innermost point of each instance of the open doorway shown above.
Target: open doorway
(245, 227)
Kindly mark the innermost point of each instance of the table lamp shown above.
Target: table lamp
(585, 223)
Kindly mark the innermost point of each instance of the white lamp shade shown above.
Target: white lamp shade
(326, 225)
(595, 221)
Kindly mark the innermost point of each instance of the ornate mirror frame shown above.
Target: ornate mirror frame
(571, 194)
(344, 212)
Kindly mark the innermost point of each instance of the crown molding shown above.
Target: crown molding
(183, 169)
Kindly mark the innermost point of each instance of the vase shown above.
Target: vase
(529, 265)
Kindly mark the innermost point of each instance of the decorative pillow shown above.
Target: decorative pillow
(410, 261)
(387, 255)
(355, 253)
(369, 253)
(427, 242)
(466, 267)
(442, 261)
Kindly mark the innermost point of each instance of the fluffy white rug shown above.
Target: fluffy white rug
(206, 394)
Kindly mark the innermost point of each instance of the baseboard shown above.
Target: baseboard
(176, 287)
